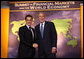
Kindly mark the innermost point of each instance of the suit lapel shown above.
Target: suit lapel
(26, 27)
(39, 30)
(28, 31)
(44, 29)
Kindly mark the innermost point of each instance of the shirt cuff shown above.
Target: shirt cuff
(53, 47)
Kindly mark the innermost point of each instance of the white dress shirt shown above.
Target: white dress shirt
(43, 25)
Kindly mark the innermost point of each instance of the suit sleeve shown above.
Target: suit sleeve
(36, 35)
(54, 35)
(21, 36)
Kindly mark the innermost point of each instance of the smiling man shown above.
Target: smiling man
(27, 43)
(46, 37)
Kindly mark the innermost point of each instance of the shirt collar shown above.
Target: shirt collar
(27, 26)
(43, 23)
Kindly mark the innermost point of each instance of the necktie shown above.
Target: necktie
(29, 28)
(31, 31)
(42, 30)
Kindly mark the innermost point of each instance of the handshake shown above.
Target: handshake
(35, 45)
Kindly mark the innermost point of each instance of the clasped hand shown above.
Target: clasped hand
(35, 45)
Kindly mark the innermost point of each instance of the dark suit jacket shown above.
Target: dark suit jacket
(49, 39)
(26, 43)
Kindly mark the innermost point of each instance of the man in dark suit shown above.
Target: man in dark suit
(46, 38)
(27, 43)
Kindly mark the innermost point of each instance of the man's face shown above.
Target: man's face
(29, 21)
(41, 17)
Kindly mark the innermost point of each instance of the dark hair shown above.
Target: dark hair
(28, 16)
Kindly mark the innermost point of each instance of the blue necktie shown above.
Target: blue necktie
(42, 30)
